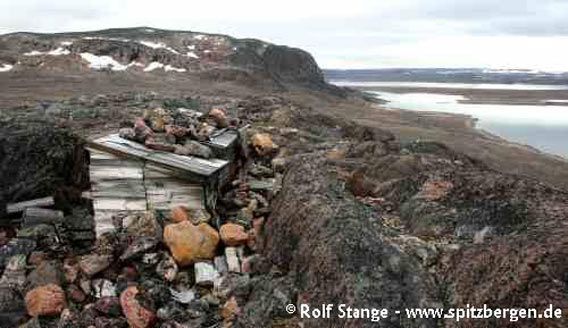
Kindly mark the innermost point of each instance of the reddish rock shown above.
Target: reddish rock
(153, 144)
(136, 315)
(179, 214)
(75, 294)
(248, 264)
(129, 273)
(188, 242)
(70, 270)
(176, 131)
(230, 309)
(142, 130)
(254, 233)
(45, 300)
(233, 234)
(109, 305)
(219, 117)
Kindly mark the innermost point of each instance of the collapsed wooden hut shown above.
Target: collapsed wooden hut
(129, 178)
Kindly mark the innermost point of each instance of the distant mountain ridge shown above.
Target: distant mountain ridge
(146, 50)
(447, 75)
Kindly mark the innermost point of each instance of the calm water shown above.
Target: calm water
(543, 127)
(435, 85)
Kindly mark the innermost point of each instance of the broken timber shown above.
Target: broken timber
(20, 207)
(128, 178)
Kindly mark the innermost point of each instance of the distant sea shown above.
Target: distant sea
(544, 127)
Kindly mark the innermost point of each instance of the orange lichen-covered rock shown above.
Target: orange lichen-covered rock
(179, 214)
(233, 234)
(230, 309)
(188, 242)
(136, 315)
(263, 144)
(45, 300)
(219, 116)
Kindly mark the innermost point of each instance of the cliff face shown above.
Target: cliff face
(153, 51)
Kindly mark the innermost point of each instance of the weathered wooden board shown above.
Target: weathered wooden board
(119, 204)
(115, 173)
(35, 215)
(20, 207)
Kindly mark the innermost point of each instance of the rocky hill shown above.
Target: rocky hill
(152, 51)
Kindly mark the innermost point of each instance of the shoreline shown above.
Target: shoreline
(470, 122)
(484, 96)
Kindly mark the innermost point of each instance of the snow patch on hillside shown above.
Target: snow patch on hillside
(6, 68)
(192, 54)
(152, 66)
(168, 68)
(59, 51)
(175, 69)
(160, 45)
(102, 62)
(56, 52)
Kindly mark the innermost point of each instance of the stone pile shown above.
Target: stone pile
(176, 269)
(179, 131)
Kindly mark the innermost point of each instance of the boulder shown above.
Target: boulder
(263, 144)
(179, 214)
(143, 225)
(94, 263)
(45, 300)
(167, 268)
(142, 131)
(160, 146)
(233, 234)
(109, 305)
(48, 272)
(158, 119)
(230, 309)
(70, 270)
(193, 148)
(136, 315)
(219, 117)
(138, 247)
(189, 243)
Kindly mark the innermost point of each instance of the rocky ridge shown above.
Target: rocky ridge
(152, 51)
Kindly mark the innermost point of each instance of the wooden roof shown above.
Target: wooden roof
(185, 166)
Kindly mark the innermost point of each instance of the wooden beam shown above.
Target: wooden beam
(21, 206)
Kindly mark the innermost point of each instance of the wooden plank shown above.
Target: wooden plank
(135, 186)
(115, 173)
(98, 158)
(21, 206)
(224, 139)
(35, 215)
(119, 204)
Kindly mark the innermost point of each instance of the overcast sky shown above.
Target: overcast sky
(340, 34)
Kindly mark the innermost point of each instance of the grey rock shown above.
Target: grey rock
(139, 246)
(94, 263)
